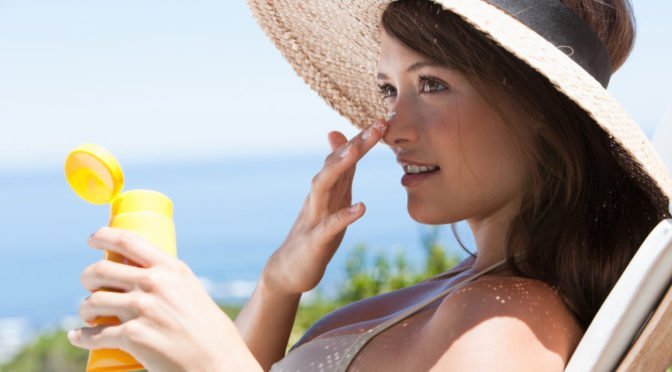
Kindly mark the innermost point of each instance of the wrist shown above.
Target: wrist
(231, 353)
(269, 286)
(243, 361)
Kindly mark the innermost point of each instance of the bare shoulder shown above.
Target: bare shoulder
(502, 323)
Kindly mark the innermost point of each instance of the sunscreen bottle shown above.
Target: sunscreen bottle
(96, 176)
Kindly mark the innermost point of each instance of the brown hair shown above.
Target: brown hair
(589, 206)
(613, 22)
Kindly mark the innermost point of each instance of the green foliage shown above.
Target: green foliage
(437, 261)
(309, 313)
(231, 310)
(365, 278)
(389, 274)
(50, 352)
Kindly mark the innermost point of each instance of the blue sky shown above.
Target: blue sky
(191, 80)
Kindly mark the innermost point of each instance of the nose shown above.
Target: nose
(402, 127)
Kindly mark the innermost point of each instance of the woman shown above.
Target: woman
(498, 114)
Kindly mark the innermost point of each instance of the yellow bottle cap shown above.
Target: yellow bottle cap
(94, 174)
(142, 201)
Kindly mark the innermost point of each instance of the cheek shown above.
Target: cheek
(482, 163)
(483, 169)
(490, 151)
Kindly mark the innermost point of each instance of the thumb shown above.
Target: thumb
(336, 139)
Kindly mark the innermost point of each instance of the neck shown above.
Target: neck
(490, 234)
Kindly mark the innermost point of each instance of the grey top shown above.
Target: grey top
(337, 352)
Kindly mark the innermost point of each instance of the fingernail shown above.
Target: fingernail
(344, 152)
(92, 234)
(71, 335)
(380, 127)
(355, 208)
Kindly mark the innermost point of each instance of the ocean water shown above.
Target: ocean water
(230, 215)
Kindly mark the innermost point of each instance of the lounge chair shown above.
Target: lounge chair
(632, 331)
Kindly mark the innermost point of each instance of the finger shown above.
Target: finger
(348, 177)
(105, 304)
(369, 137)
(344, 185)
(329, 188)
(128, 244)
(337, 222)
(106, 274)
(347, 156)
(339, 192)
(348, 187)
(98, 337)
(336, 140)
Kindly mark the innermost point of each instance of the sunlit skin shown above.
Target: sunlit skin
(497, 322)
(441, 119)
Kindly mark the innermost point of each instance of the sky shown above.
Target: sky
(165, 81)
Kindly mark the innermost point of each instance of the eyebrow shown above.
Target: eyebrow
(416, 66)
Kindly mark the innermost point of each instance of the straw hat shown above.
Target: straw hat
(334, 46)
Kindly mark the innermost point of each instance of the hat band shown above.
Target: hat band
(556, 23)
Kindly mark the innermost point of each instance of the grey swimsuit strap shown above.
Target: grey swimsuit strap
(352, 351)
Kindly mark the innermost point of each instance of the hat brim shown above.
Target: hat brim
(334, 46)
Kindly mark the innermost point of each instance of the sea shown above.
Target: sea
(230, 216)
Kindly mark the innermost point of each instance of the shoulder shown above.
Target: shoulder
(375, 307)
(503, 323)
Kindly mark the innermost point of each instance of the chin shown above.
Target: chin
(430, 216)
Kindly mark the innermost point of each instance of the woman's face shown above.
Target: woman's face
(442, 120)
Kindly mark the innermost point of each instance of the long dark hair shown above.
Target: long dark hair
(589, 206)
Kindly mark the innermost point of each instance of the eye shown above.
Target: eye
(429, 84)
(386, 90)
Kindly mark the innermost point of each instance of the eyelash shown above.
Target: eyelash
(385, 89)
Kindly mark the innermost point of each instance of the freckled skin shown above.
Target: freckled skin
(430, 332)
(451, 125)
(482, 177)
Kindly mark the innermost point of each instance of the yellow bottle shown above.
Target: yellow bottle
(95, 175)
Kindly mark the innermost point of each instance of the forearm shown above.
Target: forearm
(298, 265)
(266, 321)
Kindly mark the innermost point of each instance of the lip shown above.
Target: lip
(411, 180)
(406, 161)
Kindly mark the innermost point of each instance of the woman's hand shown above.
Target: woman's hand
(299, 264)
(168, 321)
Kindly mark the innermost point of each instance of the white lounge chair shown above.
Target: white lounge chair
(632, 331)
